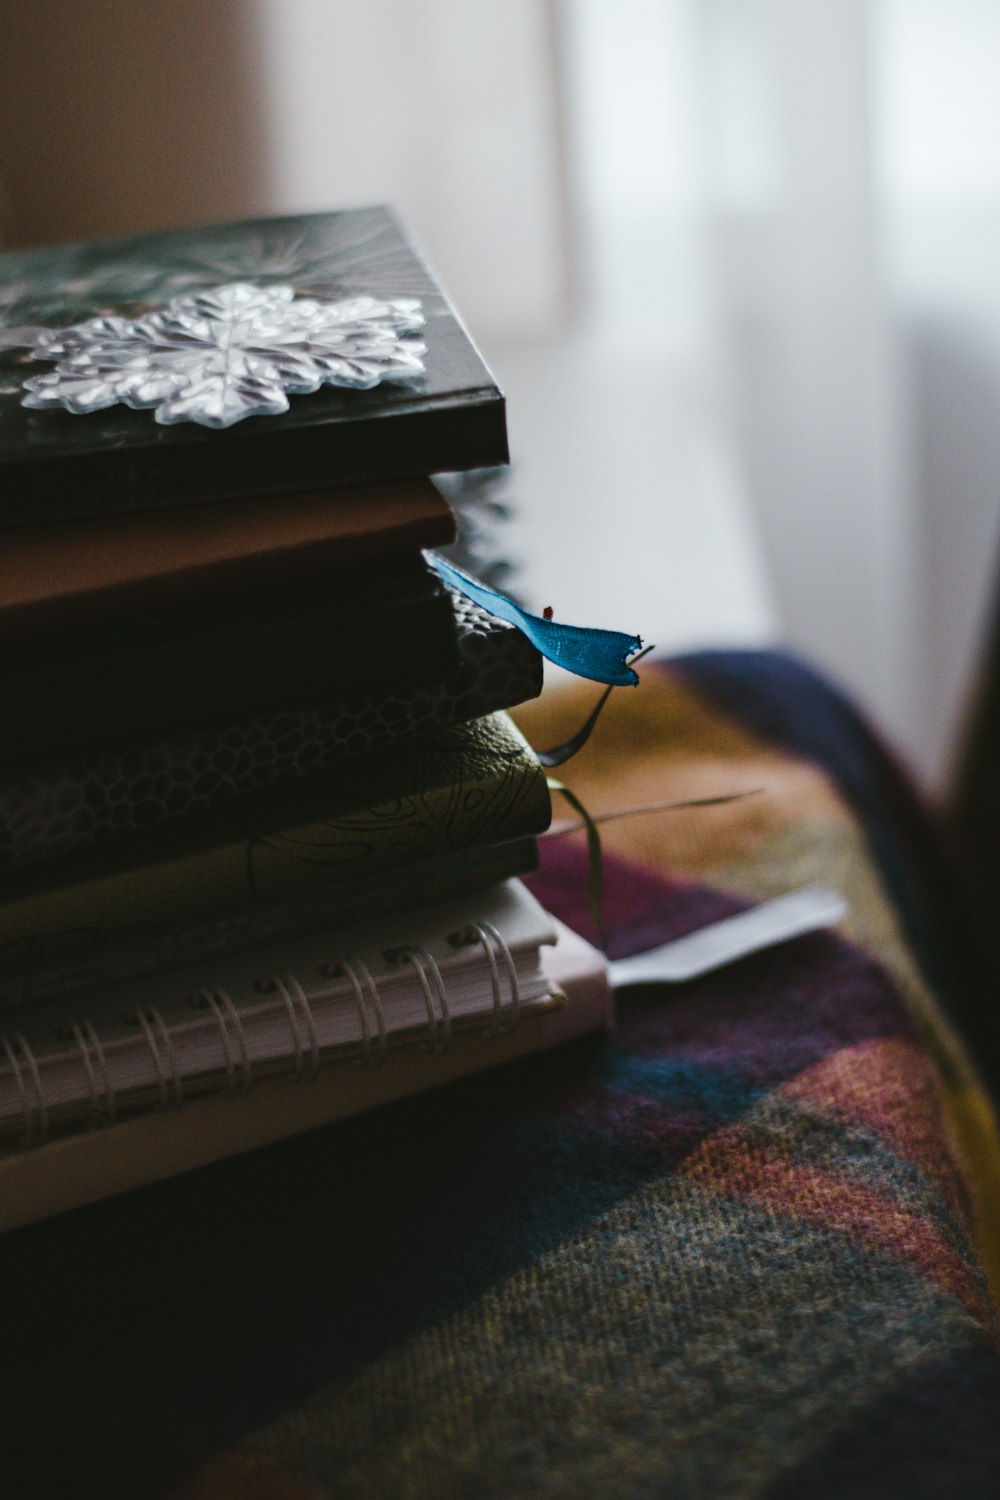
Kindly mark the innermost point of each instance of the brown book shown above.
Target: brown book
(64, 573)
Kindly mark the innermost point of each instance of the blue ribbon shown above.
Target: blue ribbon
(599, 655)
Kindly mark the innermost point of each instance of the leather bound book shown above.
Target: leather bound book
(292, 645)
(106, 793)
(105, 457)
(65, 573)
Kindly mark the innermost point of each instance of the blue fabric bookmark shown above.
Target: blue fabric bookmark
(599, 655)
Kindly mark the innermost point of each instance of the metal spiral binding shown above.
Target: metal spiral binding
(292, 995)
(298, 1006)
(422, 963)
(29, 1109)
(351, 968)
(89, 1043)
(220, 1003)
(147, 1018)
(492, 944)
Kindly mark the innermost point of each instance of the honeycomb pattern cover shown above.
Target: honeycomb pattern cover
(51, 810)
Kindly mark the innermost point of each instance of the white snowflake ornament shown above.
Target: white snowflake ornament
(217, 356)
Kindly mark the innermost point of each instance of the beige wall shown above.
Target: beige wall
(126, 115)
(118, 116)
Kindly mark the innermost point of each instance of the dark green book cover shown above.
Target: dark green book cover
(57, 463)
(336, 835)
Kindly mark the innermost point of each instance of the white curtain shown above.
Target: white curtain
(811, 343)
(798, 203)
(450, 112)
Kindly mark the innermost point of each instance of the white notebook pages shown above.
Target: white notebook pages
(200, 1082)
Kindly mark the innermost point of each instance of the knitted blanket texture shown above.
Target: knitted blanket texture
(739, 1249)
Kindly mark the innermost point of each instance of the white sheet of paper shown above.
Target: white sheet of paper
(721, 943)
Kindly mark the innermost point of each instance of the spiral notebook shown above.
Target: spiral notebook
(129, 1086)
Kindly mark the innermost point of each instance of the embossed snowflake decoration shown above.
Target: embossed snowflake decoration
(217, 356)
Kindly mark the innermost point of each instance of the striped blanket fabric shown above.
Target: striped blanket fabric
(741, 1249)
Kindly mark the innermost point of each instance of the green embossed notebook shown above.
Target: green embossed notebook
(231, 346)
(341, 837)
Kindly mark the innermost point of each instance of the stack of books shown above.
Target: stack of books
(261, 811)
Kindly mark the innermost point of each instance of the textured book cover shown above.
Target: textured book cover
(369, 821)
(49, 966)
(383, 627)
(215, 317)
(99, 795)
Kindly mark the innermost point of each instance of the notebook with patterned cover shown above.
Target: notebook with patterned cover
(384, 626)
(53, 807)
(335, 835)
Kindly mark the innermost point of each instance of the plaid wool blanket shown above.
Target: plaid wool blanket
(741, 1249)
